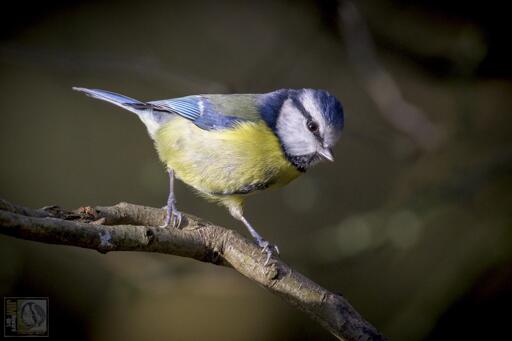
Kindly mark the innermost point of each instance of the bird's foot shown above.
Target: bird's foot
(267, 248)
(172, 217)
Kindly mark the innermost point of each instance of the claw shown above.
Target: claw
(177, 218)
(167, 222)
(268, 248)
(173, 218)
(265, 246)
(269, 254)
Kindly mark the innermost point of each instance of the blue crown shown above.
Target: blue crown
(270, 105)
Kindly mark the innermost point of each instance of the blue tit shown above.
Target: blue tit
(230, 146)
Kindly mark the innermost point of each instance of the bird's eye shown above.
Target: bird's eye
(312, 126)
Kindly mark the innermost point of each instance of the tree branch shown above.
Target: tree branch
(127, 227)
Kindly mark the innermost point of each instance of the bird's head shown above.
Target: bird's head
(308, 123)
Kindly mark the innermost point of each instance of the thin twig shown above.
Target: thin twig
(128, 227)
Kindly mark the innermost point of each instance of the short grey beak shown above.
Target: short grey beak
(326, 153)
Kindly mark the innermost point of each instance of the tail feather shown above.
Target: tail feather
(152, 119)
(111, 97)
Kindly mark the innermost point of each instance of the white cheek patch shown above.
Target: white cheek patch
(294, 135)
(310, 104)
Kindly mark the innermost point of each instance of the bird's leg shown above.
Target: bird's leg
(173, 215)
(265, 245)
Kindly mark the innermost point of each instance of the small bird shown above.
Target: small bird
(229, 146)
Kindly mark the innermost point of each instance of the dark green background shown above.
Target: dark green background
(418, 240)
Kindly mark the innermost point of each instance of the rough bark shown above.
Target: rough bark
(128, 227)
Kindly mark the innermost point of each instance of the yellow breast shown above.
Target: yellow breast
(227, 161)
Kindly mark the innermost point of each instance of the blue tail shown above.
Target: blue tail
(111, 97)
(152, 119)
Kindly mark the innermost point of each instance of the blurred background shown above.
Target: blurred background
(411, 223)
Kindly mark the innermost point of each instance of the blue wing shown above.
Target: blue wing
(208, 112)
(200, 110)
(188, 107)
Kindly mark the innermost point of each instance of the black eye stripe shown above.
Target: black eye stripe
(308, 117)
(303, 110)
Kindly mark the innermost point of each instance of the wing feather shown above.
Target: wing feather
(211, 112)
(187, 107)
